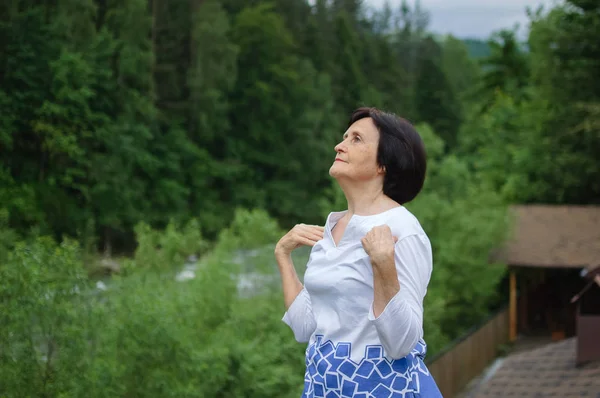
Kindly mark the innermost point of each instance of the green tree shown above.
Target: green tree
(501, 143)
(461, 70)
(281, 139)
(565, 59)
(42, 295)
(435, 100)
(349, 81)
(50, 117)
(505, 69)
(121, 151)
(211, 77)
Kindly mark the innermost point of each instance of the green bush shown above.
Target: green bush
(148, 335)
(44, 318)
(162, 250)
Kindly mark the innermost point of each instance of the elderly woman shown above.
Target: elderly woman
(361, 306)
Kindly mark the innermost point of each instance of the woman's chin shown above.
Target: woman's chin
(338, 176)
(334, 172)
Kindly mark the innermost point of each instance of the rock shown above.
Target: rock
(185, 275)
(109, 266)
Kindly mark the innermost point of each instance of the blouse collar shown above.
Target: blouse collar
(358, 226)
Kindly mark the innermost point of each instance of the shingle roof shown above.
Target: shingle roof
(548, 371)
(554, 236)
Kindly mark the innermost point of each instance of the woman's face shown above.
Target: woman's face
(356, 155)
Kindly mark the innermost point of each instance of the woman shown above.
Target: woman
(361, 305)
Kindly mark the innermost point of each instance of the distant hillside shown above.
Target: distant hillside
(477, 48)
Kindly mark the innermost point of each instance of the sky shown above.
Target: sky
(474, 18)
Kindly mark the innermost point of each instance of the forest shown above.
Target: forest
(176, 140)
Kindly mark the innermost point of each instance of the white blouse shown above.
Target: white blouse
(336, 303)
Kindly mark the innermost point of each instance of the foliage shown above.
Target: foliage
(279, 106)
(565, 57)
(129, 113)
(506, 68)
(43, 296)
(8, 236)
(435, 99)
(536, 139)
(159, 249)
(460, 69)
(148, 334)
(515, 128)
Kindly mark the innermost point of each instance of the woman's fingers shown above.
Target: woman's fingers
(316, 238)
(312, 237)
(318, 230)
(307, 241)
(314, 228)
(310, 240)
(303, 234)
(312, 231)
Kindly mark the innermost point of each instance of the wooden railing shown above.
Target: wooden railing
(467, 357)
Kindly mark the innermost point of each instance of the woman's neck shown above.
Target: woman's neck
(367, 200)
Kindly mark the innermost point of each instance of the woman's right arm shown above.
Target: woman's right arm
(289, 278)
(299, 316)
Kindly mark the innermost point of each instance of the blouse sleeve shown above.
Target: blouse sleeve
(400, 324)
(300, 318)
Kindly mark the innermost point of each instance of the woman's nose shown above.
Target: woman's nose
(339, 147)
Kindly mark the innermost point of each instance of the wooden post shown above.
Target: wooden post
(513, 306)
(524, 319)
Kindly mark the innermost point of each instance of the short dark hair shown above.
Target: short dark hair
(401, 152)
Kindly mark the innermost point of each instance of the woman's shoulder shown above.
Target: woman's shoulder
(404, 223)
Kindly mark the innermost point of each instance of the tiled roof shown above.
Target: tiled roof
(548, 371)
(554, 236)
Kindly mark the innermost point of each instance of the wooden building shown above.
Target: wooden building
(551, 250)
(554, 312)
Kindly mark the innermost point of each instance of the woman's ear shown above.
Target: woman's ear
(381, 170)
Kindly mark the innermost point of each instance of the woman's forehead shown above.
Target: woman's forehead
(365, 127)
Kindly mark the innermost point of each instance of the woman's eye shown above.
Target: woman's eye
(356, 139)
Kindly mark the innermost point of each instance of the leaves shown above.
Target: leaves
(147, 334)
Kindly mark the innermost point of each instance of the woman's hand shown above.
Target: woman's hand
(379, 245)
(300, 235)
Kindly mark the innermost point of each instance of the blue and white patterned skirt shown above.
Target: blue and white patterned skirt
(331, 373)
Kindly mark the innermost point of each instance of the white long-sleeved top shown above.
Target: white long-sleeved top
(335, 307)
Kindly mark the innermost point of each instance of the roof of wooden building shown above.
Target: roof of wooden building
(548, 371)
(553, 236)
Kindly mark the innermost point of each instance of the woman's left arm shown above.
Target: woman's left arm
(401, 274)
